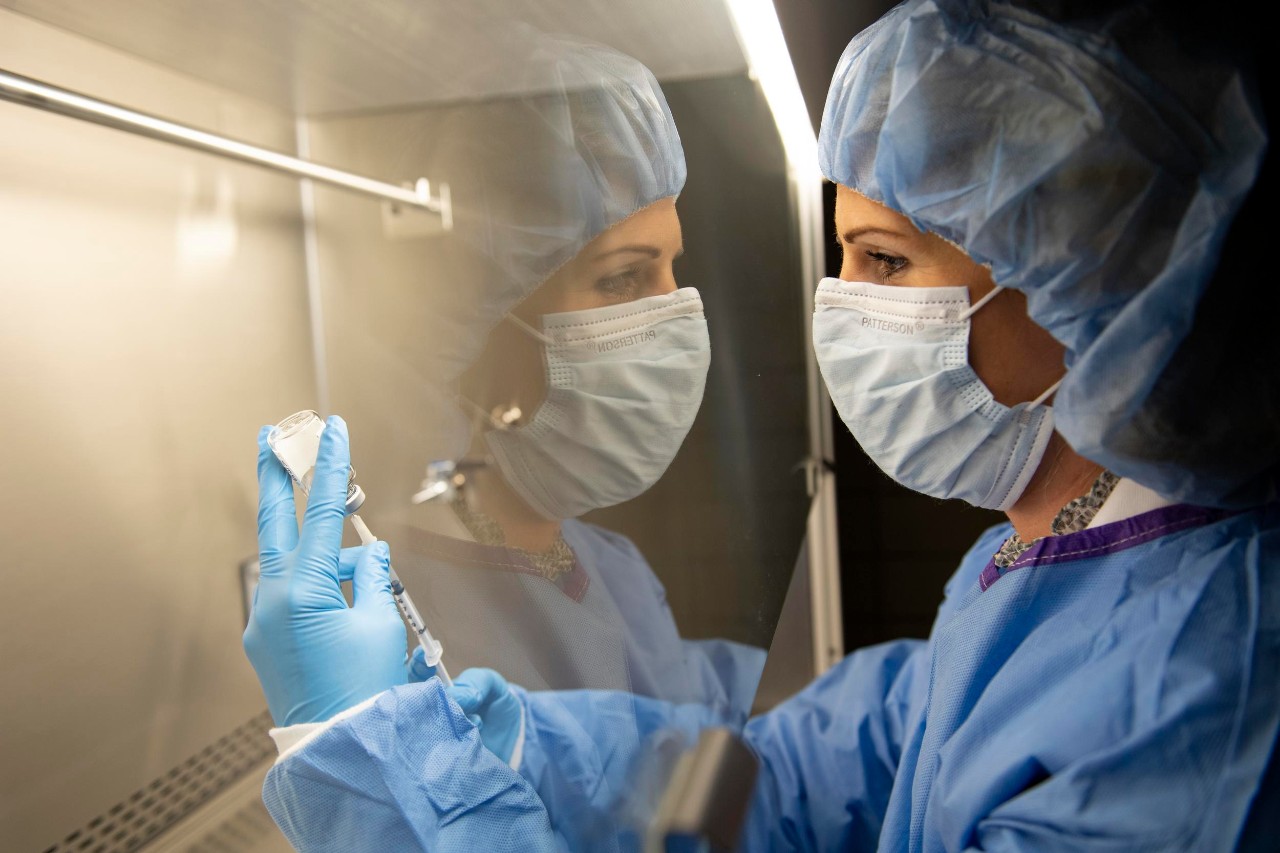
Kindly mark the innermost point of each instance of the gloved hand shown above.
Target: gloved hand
(314, 655)
(486, 698)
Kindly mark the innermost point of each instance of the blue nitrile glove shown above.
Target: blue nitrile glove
(419, 670)
(487, 700)
(314, 655)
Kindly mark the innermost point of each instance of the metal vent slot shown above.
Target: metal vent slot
(247, 829)
(151, 810)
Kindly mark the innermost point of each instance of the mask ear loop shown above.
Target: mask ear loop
(484, 414)
(1048, 392)
(521, 324)
(493, 421)
(489, 417)
(973, 309)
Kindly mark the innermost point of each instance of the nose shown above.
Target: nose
(666, 282)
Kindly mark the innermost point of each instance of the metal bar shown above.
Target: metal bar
(822, 531)
(33, 93)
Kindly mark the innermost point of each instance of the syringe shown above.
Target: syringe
(296, 443)
(431, 648)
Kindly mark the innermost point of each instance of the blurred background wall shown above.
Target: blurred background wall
(154, 314)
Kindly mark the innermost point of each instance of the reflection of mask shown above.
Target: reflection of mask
(623, 386)
(895, 360)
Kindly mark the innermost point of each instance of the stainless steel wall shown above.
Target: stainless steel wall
(153, 313)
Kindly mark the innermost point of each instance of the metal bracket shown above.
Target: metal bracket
(407, 222)
(814, 468)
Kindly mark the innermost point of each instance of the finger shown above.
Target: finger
(419, 669)
(476, 688)
(327, 502)
(468, 700)
(371, 585)
(277, 518)
(347, 560)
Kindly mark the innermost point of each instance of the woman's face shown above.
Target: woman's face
(1014, 357)
(630, 261)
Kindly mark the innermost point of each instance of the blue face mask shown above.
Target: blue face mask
(895, 360)
(624, 384)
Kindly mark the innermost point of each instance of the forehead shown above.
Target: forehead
(853, 209)
(657, 225)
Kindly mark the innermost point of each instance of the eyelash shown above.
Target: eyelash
(890, 265)
(620, 286)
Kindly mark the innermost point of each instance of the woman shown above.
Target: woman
(1031, 208)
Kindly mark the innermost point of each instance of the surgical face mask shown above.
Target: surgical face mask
(624, 384)
(896, 362)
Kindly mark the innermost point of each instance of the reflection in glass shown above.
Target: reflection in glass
(546, 363)
(573, 364)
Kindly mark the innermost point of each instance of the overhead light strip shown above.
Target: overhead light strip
(769, 61)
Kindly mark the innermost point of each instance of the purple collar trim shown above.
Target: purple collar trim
(1107, 539)
(473, 555)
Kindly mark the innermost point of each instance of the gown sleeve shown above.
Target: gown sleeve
(728, 669)
(407, 773)
(599, 760)
(829, 755)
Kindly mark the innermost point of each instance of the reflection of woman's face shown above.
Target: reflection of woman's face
(630, 261)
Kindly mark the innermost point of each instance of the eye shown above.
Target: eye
(887, 265)
(621, 287)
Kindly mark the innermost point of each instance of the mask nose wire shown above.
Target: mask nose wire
(973, 309)
(521, 324)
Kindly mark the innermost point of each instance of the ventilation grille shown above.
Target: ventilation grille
(149, 811)
(247, 829)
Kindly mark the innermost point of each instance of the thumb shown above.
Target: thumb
(419, 669)
(371, 583)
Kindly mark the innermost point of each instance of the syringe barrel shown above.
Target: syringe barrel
(430, 645)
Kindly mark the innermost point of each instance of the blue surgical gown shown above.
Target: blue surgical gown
(1117, 689)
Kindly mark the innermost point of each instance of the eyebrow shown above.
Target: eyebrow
(651, 251)
(854, 233)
